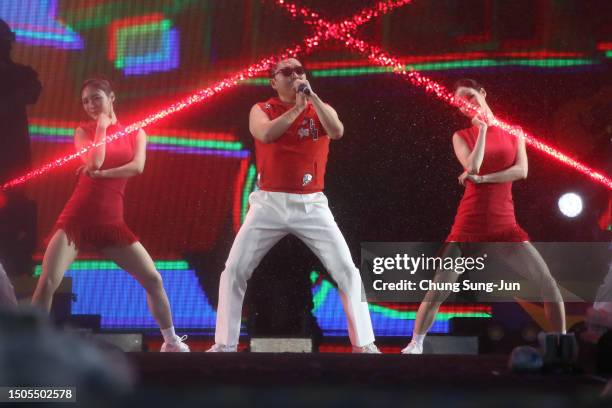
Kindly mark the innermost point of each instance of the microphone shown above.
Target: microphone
(304, 89)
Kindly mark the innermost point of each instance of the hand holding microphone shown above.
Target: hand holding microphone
(303, 86)
(302, 93)
(304, 89)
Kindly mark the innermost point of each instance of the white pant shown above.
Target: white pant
(271, 216)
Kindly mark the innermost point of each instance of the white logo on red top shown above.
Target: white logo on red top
(308, 128)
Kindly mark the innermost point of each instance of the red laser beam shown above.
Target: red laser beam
(344, 32)
(378, 56)
(325, 31)
(306, 46)
(198, 97)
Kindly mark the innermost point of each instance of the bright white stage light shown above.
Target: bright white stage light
(570, 204)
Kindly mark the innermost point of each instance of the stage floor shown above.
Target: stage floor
(277, 376)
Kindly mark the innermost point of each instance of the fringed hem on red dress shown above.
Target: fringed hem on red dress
(98, 236)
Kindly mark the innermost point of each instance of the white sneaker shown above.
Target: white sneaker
(222, 348)
(413, 348)
(367, 349)
(178, 346)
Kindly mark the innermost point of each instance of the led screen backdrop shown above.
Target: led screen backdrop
(392, 178)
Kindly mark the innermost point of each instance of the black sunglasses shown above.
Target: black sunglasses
(288, 71)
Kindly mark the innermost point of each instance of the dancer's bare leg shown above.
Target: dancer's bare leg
(431, 302)
(433, 299)
(136, 261)
(57, 259)
(530, 265)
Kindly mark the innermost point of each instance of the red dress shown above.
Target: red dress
(93, 217)
(486, 211)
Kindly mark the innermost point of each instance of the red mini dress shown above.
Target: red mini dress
(486, 211)
(93, 216)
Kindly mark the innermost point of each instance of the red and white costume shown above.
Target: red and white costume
(290, 200)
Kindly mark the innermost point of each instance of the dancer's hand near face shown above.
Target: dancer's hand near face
(104, 121)
(480, 121)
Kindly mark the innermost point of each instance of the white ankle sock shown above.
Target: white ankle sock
(169, 335)
(418, 338)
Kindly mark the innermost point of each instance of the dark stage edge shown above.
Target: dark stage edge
(435, 372)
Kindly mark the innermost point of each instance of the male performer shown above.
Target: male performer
(292, 133)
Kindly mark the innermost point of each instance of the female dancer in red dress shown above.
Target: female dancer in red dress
(492, 160)
(93, 217)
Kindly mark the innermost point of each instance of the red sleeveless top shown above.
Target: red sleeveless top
(93, 216)
(486, 211)
(295, 162)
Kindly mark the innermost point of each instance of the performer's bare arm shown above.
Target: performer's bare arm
(266, 130)
(327, 115)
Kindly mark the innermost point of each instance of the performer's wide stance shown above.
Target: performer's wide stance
(292, 133)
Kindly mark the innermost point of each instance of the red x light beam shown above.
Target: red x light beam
(200, 96)
(197, 97)
(344, 33)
